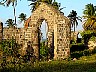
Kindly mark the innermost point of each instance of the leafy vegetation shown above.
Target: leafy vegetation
(44, 51)
(74, 19)
(22, 17)
(74, 22)
(12, 61)
(89, 17)
(86, 52)
(55, 66)
(10, 23)
(10, 47)
(21, 64)
(77, 47)
(7, 3)
(36, 3)
(87, 35)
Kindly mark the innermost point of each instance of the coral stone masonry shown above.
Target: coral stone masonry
(1, 31)
(59, 32)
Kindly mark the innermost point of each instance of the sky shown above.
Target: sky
(22, 7)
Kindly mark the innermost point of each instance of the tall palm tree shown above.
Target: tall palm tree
(14, 4)
(22, 17)
(10, 23)
(74, 19)
(89, 17)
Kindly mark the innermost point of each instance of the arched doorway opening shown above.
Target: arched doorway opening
(43, 40)
(58, 31)
(44, 31)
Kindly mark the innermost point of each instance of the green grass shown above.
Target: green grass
(56, 66)
(84, 64)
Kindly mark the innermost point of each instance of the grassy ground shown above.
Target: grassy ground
(84, 64)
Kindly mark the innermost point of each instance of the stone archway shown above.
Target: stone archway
(58, 27)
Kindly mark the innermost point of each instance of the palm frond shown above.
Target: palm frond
(76, 23)
(79, 18)
(32, 0)
(62, 8)
(31, 4)
(74, 19)
(2, 3)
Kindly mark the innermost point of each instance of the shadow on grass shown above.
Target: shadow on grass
(54, 66)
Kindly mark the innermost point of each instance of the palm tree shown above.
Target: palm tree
(73, 18)
(14, 4)
(34, 4)
(74, 22)
(22, 17)
(89, 17)
(10, 23)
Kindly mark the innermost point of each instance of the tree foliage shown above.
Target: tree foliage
(10, 23)
(89, 17)
(44, 50)
(36, 3)
(7, 3)
(10, 47)
(87, 35)
(74, 19)
(22, 17)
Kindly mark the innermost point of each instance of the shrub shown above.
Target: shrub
(44, 50)
(93, 38)
(10, 47)
(86, 52)
(77, 54)
(86, 35)
(77, 47)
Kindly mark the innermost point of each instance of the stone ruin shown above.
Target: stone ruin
(59, 31)
(1, 31)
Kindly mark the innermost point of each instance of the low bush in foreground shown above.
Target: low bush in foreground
(54, 66)
(85, 64)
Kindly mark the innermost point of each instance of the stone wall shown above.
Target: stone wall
(1, 31)
(92, 45)
(63, 39)
(74, 35)
(58, 38)
(59, 32)
(16, 33)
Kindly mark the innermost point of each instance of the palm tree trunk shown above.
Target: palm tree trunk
(74, 28)
(14, 13)
(74, 34)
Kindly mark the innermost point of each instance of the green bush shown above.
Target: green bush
(86, 35)
(77, 47)
(93, 38)
(88, 58)
(44, 50)
(10, 54)
(10, 47)
(86, 52)
(53, 66)
(77, 54)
